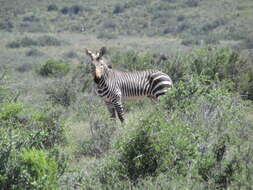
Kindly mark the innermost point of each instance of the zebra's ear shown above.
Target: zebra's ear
(88, 52)
(102, 52)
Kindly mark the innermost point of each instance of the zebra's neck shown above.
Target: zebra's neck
(101, 81)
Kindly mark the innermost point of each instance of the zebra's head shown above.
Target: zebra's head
(99, 65)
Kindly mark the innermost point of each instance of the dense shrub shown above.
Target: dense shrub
(71, 55)
(6, 25)
(41, 41)
(75, 9)
(29, 169)
(33, 52)
(48, 129)
(36, 170)
(62, 92)
(215, 64)
(25, 42)
(118, 8)
(53, 67)
(21, 165)
(133, 61)
(100, 141)
(52, 7)
(197, 145)
(49, 41)
(24, 68)
(192, 3)
(106, 35)
(43, 130)
(139, 157)
(31, 19)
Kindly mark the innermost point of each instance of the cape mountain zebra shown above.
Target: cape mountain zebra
(115, 86)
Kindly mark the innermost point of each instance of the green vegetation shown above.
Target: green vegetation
(53, 68)
(193, 138)
(56, 134)
(41, 41)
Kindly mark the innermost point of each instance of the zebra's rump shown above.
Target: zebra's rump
(160, 83)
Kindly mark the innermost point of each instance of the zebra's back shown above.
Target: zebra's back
(135, 85)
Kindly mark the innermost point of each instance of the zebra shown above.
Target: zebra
(115, 86)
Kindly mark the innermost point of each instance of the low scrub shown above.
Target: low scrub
(197, 146)
(75, 9)
(33, 52)
(199, 135)
(24, 165)
(62, 93)
(53, 67)
(40, 41)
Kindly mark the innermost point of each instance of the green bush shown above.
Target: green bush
(62, 93)
(33, 52)
(36, 170)
(198, 144)
(52, 7)
(100, 141)
(47, 129)
(133, 61)
(42, 130)
(118, 8)
(24, 68)
(49, 41)
(217, 65)
(106, 35)
(41, 41)
(6, 25)
(25, 42)
(75, 9)
(53, 67)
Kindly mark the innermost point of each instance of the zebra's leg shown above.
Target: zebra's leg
(119, 109)
(153, 99)
(111, 109)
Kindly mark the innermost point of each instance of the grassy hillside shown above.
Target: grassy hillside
(56, 134)
(192, 20)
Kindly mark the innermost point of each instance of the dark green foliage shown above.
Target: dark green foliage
(33, 52)
(100, 141)
(49, 41)
(28, 169)
(48, 129)
(25, 42)
(61, 92)
(139, 157)
(196, 137)
(6, 25)
(192, 3)
(71, 55)
(22, 164)
(24, 68)
(106, 35)
(53, 67)
(75, 9)
(36, 171)
(118, 9)
(31, 19)
(41, 41)
(185, 92)
(52, 7)
(133, 61)
(39, 130)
